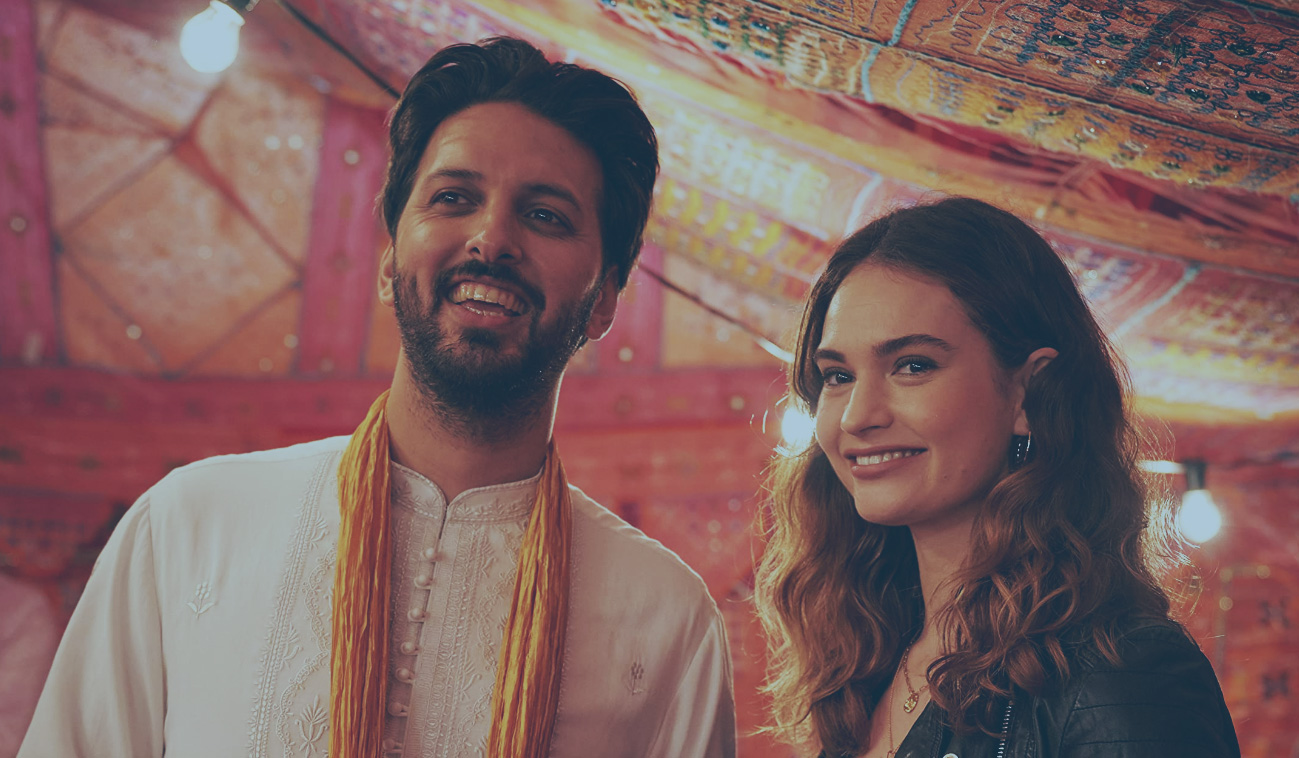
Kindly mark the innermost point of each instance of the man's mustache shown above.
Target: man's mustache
(476, 269)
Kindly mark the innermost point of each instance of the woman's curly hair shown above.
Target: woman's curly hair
(1064, 548)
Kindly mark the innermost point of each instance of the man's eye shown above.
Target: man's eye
(548, 218)
(448, 198)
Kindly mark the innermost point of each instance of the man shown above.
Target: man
(420, 589)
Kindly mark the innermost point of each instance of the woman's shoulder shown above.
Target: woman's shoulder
(1149, 644)
(1158, 690)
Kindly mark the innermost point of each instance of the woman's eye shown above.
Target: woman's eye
(834, 378)
(915, 366)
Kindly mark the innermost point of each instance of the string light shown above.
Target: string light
(1161, 467)
(797, 428)
(1199, 518)
(209, 42)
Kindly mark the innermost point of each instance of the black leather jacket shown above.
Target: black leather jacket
(1162, 701)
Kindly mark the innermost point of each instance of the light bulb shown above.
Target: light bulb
(1161, 467)
(209, 42)
(796, 429)
(1199, 518)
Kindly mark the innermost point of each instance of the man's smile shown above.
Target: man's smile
(488, 300)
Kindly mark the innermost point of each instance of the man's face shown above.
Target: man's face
(496, 270)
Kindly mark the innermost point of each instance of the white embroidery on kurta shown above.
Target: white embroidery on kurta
(289, 648)
(636, 678)
(312, 724)
(317, 531)
(283, 638)
(494, 564)
(202, 599)
(318, 613)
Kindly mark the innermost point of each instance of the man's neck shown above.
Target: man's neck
(422, 440)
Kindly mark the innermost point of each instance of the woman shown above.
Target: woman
(962, 563)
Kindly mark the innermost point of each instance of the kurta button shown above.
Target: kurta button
(951, 755)
(397, 709)
(417, 614)
(431, 554)
(409, 647)
(423, 581)
(405, 675)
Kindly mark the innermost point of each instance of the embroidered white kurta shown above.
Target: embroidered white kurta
(205, 627)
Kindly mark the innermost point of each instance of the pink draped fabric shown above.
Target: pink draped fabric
(29, 635)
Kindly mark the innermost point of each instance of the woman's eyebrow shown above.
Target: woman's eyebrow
(898, 344)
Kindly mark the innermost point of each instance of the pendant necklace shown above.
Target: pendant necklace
(893, 746)
(913, 696)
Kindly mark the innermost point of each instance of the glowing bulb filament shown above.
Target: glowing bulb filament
(1199, 518)
(797, 430)
(209, 42)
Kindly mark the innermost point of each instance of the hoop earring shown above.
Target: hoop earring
(1021, 448)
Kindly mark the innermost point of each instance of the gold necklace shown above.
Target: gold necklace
(913, 696)
(893, 748)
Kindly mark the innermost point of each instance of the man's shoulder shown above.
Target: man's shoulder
(264, 473)
(302, 455)
(621, 552)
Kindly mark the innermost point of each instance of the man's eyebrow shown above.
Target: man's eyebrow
(536, 188)
(454, 173)
(555, 191)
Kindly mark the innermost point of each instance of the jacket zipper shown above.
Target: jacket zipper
(1005, 730)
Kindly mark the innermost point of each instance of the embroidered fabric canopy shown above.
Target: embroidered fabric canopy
(187, 260)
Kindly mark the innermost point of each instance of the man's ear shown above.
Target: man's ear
(1037, 361)
(606, 305)
(387, 269)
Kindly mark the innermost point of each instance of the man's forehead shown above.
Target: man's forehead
(505, 142)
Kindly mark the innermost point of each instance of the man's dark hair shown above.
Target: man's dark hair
(596, 109)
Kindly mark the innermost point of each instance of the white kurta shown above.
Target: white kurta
(205, 628)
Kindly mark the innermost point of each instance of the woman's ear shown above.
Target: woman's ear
(387, 267)
(1036, 361)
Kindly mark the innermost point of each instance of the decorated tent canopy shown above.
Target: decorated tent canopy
(187, 260)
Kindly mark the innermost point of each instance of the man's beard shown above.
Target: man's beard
(466, 382)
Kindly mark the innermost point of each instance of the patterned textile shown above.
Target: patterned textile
(1200, 95)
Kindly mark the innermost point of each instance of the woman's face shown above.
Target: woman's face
(915, 413)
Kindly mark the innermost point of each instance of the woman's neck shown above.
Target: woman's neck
(940, 554)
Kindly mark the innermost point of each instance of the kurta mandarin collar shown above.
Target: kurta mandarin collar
(510, 501)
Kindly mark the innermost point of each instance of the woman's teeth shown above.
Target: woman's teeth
(871, 460)
(482, 293)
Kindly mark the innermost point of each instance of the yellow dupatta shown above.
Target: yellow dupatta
(526, 695)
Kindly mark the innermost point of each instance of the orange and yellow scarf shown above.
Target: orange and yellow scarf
(526, 696)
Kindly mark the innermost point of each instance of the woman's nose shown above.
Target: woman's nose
(867, 408)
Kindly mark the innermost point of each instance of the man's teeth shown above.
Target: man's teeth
(871, 460)
(482, 293)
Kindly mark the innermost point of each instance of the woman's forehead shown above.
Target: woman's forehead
(884, 302)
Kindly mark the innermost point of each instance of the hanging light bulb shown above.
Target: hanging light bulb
(209, 42)
(1199, 518)
(796, 429)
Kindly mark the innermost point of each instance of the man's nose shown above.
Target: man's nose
(494, 236)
